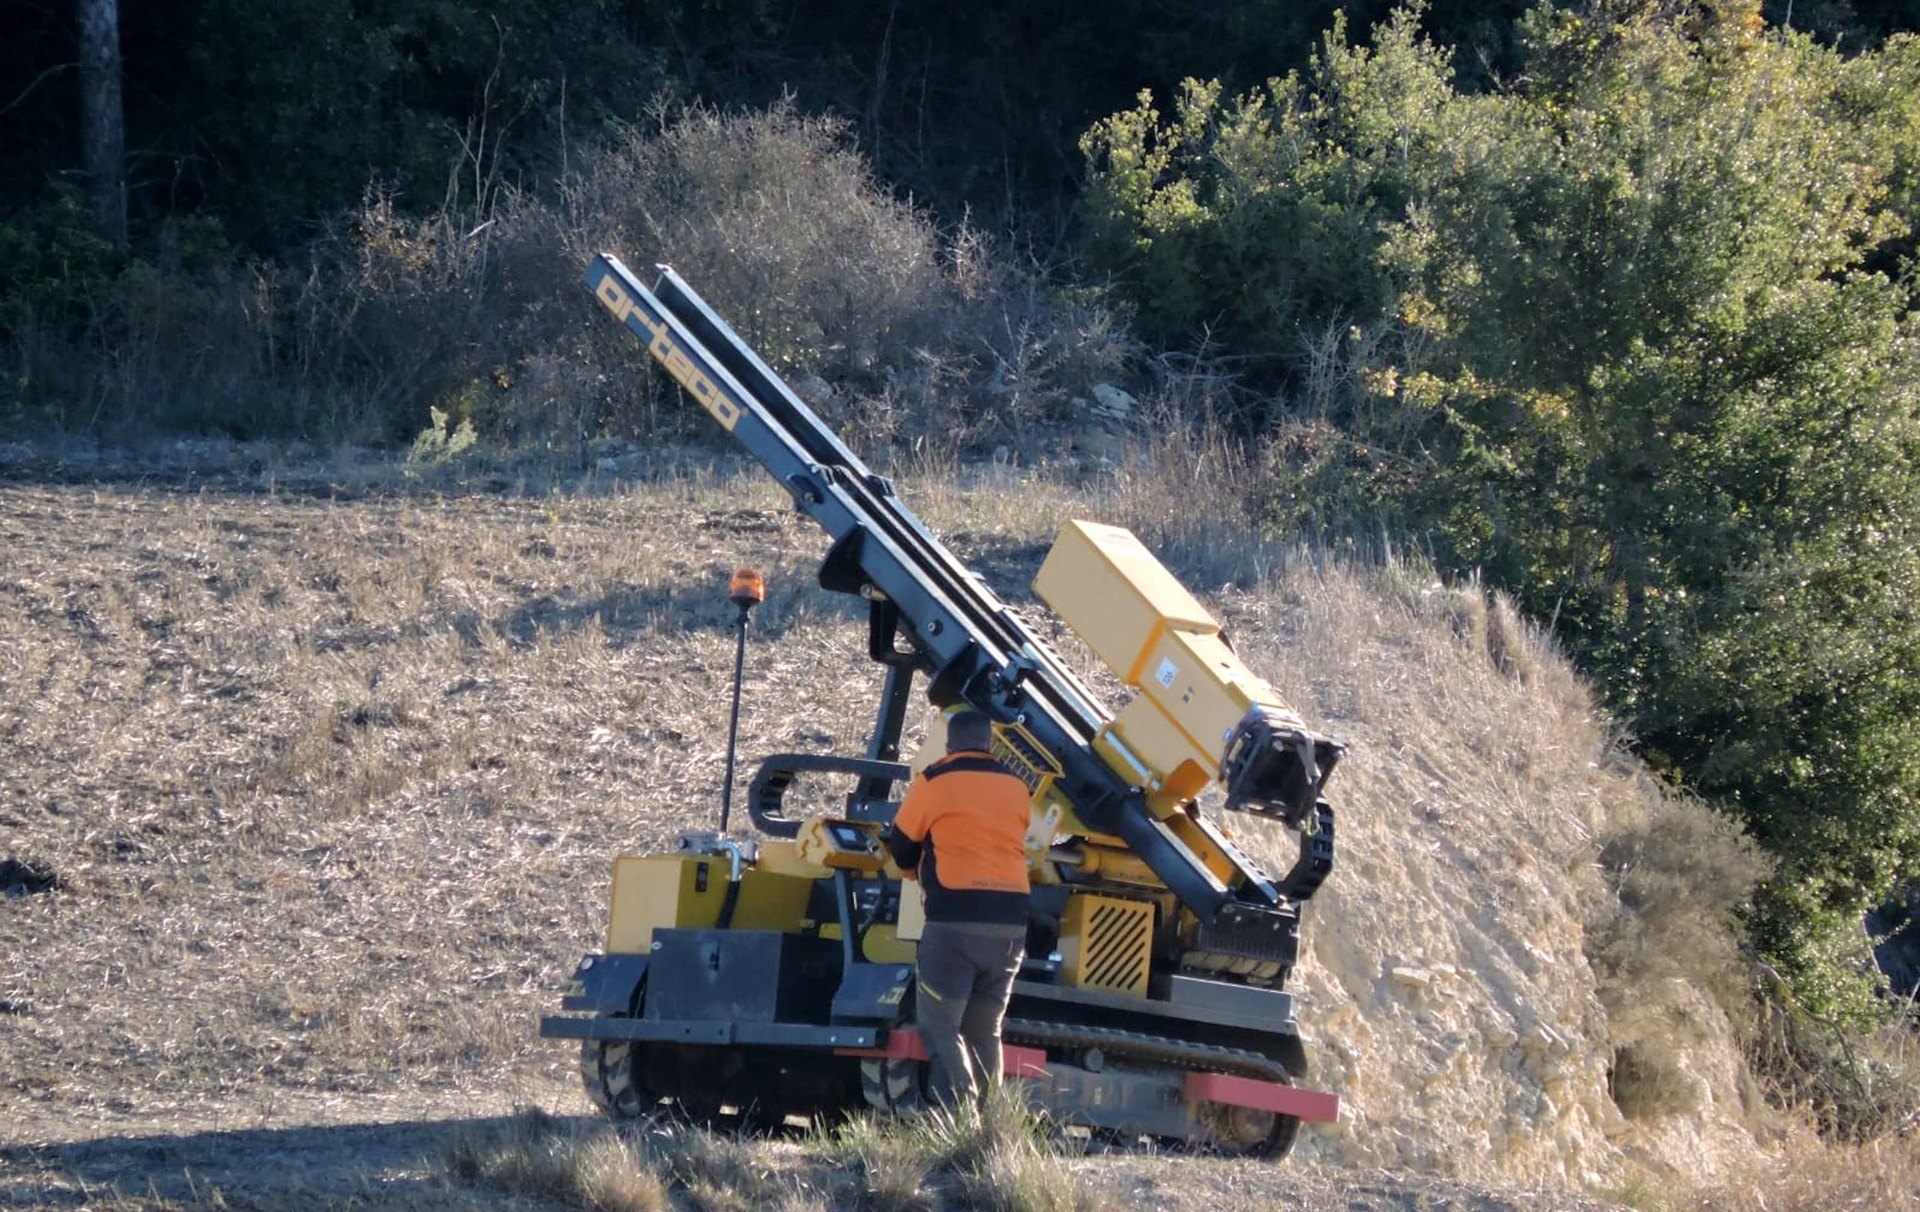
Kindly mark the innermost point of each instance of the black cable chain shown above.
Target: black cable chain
(1141, 1046)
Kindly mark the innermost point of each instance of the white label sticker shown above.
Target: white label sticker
(1166, 674)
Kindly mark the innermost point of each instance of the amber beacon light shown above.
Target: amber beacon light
(747, 590)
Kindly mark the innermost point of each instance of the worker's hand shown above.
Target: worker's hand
(894, 870)
(903, 850)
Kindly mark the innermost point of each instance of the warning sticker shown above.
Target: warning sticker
(1167, 673)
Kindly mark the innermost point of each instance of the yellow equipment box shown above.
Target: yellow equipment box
(689, 890)
(1158, 639)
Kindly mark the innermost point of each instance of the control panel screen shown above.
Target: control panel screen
(848, 837)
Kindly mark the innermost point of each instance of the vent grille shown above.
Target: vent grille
(1021, 754)
(1107, 943)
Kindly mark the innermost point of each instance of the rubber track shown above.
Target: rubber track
(1141, 1046)
(889, 1085)
(607, 1070)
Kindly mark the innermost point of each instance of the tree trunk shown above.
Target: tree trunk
(102, 123)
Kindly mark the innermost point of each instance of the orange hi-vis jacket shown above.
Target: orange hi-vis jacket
(962, 829)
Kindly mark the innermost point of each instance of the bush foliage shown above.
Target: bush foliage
(897, 330)
(1621, 338)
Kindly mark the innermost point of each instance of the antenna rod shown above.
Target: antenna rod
(746, 591)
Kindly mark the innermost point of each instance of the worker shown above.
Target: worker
(961, 831)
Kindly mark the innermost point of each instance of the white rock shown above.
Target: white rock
(1112, 403)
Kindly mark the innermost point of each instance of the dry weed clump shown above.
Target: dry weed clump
(1803, 1173)
(892, 1167)
(1001, 1161)
(595, 1168)
(1680, 874)
(1000, 1156)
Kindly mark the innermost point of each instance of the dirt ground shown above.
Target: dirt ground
(391, 1152)
(307, 793)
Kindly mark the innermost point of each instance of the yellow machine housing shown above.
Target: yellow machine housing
(688, 890)
(1158, 639)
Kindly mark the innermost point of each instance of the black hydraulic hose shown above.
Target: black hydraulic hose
(730, 901)
(843, 906)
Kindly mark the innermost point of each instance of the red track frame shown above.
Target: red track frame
(1310, 1106)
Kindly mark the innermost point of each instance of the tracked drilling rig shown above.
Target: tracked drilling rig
(773, 974)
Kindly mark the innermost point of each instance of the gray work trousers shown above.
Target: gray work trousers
(966, 974)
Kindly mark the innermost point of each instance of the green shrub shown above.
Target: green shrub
(58, 274)
(177, 337)
(1622, 342)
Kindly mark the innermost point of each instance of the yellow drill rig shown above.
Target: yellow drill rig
(773, 974)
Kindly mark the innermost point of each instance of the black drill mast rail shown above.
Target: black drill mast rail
(958, 633)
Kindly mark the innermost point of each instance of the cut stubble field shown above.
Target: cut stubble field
(307, 801)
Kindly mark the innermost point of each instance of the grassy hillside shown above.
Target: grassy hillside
(308, 792)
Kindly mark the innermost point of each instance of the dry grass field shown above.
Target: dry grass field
(308, 790)
(317, 794)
